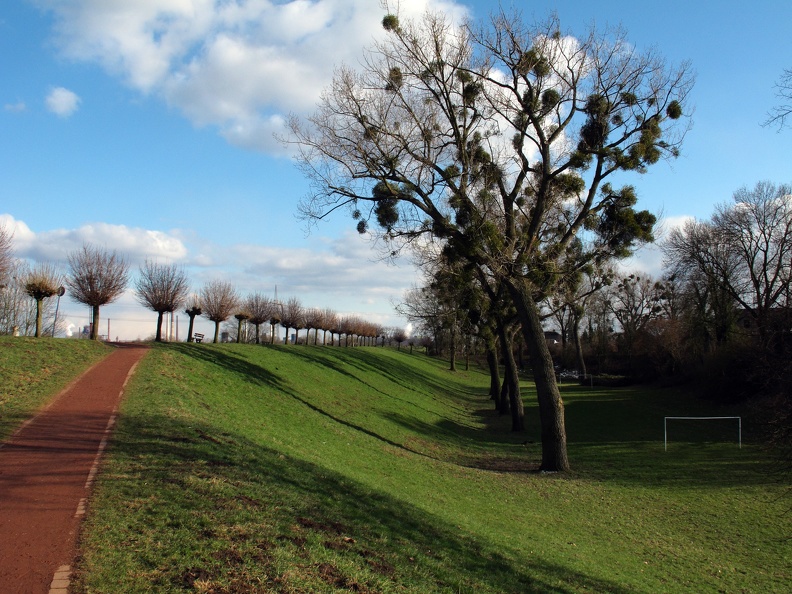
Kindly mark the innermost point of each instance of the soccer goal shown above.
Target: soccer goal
(666, 419)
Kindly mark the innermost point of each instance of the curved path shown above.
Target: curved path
(46, 471)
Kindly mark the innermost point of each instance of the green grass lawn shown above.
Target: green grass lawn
(239, 468)
(32, 370)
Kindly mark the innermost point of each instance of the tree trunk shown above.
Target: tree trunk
(158, 336)
(551, 407)
(258, 341)
(511, 399)
(95, 323)
(217, 332)
(190, 327)
(453, 348)
(581, 362)
(492, 362)
(39, 316)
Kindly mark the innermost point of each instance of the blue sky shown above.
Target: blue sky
(147, 127)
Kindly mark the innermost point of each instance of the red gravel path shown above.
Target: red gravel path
(46, 470)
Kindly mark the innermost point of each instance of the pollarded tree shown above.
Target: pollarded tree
(162, 288)
(293, 317)
(240, 317)
(42, 282)
(219, 299)
(313, 321)
(261, 309)
(97, 277)
(329, 324)
(192, 309)
(499, 141)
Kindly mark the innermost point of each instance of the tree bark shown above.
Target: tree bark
(158, 336)
(95, 323)
(217, 333)
(190, 327)
(581, 362)
(548, 396)
(39, 316)
(511, 399)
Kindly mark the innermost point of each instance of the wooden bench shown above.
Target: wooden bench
(198, 337)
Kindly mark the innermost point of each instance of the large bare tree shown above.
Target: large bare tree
(500, 140)
(219, 299)
(42, 282)
(97, 277)
(745, 250)
(162, 288)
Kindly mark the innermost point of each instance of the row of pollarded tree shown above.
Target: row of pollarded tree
(218, 301)
(97, 277)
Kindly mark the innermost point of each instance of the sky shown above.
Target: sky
(148, 127)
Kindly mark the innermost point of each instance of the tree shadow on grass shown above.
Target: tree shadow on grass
(337, 534)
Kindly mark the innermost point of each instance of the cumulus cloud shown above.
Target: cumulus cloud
(330, 271)
(134, 243)
(62, 102)
(17, 107)
(241, 66)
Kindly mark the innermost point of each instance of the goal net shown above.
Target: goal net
(692, 429)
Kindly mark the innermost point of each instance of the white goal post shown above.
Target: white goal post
(666, 419)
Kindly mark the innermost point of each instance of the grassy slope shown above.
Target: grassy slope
(310, 469)
(32, 370)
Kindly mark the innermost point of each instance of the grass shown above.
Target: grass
(32, 370)
(237, 468)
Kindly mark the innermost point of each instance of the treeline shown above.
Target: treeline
(720, 315)
(97, 277)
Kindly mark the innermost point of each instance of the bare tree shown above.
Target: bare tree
(261, 309)
(219, 299)
(162, 288)
(42, 282)
(17, 311)
(499, 141)
(97, 277)
(782, 111)
(240, 317)
(6, 254)
(293, 317)
(313, 321)
(746, 251)
(329, 323)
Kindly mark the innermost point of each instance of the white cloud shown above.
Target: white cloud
(134, 243)
(241, 66)
(17, 107)
(648, 260)
(62, 102)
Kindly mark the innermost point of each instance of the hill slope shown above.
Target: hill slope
(237, 468)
